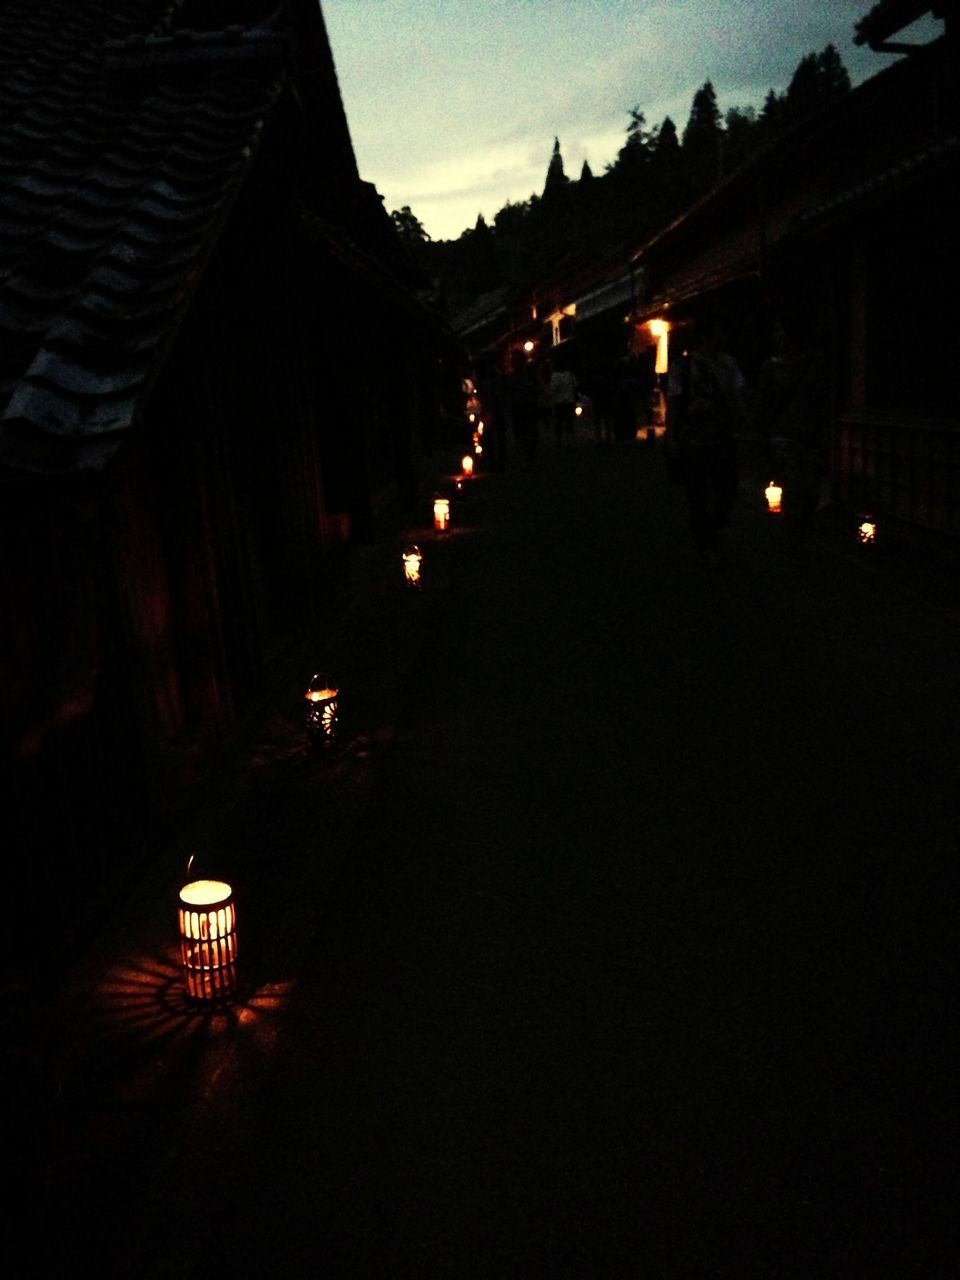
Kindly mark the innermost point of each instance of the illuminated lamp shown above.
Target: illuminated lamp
(528, 345)
(867, 531)
(412, 564)
(471, 417)
(480, 428)
(774, 495)
(323, 699)
(579, 410)
(466, 464)
(659, 329)
(208, 939)
(441, 514)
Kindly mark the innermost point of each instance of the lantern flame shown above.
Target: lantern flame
(466, 462)
(412, 560)
(321, 695)
(441, 513)
(774, 495)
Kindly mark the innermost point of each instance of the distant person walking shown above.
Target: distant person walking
(494, 409)
(523, 392)
(563, 399)
(791, 416)
(704, 413)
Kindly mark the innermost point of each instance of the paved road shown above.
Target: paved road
(620, 942)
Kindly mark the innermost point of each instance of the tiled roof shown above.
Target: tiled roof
(122, 145)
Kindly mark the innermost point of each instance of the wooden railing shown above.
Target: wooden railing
(907, 468)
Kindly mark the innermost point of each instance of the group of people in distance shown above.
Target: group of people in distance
(534, 395)
(788, 418)
(706, 416)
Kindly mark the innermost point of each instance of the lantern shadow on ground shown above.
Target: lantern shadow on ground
(143, 1007)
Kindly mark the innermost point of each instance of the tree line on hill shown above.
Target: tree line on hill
(657, 173)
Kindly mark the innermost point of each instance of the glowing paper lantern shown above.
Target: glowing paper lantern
(208, 939)
(323, 699)
(660, 329)
(412, 561)
(466, 463)
(867, 531)
(774, 495)
(441, 514)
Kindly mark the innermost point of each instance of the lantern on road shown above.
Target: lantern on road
(774, 494)
(412, 561)
(867, 531)
(323, 698)
(466, 463)
(208, 939)
(441, 514)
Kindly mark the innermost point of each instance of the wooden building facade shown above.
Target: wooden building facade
(850, 218)
(191, 270)
(847, 217)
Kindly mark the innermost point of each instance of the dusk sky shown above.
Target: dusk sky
(453, 105)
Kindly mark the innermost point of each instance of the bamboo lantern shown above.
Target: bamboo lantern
(774, 494)
(441, 514)
(208, 940)
(867, 531)
(322, 704)
(412, 563)
(466, 463)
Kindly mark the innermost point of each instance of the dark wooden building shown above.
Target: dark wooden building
(214, 366)
(851, 218)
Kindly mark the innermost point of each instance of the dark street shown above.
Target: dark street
(617, 940)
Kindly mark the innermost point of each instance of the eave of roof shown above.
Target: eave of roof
(120, 158)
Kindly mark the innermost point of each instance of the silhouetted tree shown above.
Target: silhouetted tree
(666, 150)
(741, 136)
(703, 138)
(819, 80)
(409, 227)
(654, 177)
(773, 116)
(556, 180)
